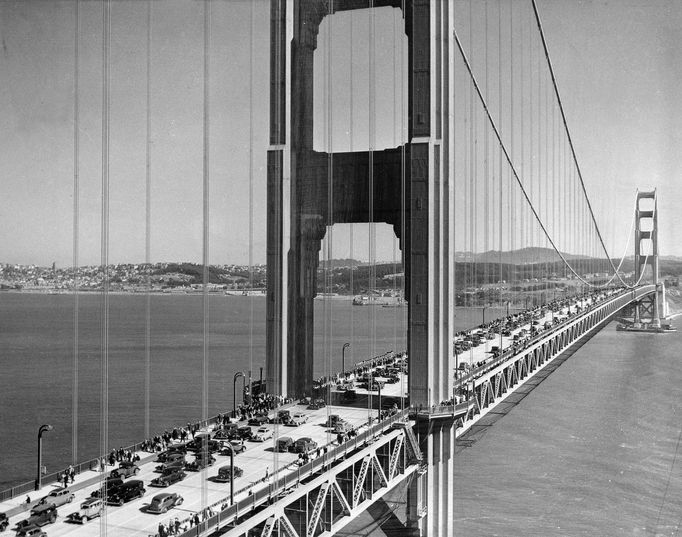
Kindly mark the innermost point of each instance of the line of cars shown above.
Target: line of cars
(172, 468)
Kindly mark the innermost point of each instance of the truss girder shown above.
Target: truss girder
(395, 459)
(268, 526)
(501, 380)
(317, 509)
(360, 480)
(367, 474)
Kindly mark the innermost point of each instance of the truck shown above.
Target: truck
(89, 509)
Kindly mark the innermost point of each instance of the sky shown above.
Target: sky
(617, 68)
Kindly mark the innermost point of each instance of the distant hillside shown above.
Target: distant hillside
(524, 256)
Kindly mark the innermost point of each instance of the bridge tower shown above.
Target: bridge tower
(300, 183)
(651, 305)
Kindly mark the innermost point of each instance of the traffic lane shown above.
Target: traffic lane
(198, 489)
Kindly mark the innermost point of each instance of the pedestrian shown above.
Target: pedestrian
(28, 499)
(196, 519)
(267, 472)
(162, 530)
(177, 525)
(66, 479)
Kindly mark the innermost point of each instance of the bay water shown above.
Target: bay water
(592, 449)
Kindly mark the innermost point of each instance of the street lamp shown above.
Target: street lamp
(39, 477)
(483, 315)
(231, 474)
(379, 386)
(343, 359)
(234, 392)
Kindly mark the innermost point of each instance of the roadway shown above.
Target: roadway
(198, 489)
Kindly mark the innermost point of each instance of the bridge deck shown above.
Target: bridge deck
(199, 488)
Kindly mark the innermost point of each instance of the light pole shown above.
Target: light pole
(343, 359)
(234, 392)
(231, 474)
(379, 386)
(39, 477)
(483, 315)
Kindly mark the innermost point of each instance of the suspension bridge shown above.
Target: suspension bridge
(479, 189)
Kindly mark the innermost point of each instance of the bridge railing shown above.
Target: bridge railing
(92, 464)
(509, 352)
(285, 480)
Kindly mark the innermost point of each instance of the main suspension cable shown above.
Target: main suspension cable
(511, 164)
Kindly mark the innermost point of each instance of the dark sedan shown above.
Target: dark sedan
(168, 479)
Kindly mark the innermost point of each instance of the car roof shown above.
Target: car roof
(56, 491)
(163, 496)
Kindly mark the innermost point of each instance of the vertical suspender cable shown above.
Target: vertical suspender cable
(501, 156)
(251, 198)
(486, 171)
(205, 238)
(76, 233)
(350, 148)
(371, 227)
(531, 128)
(104, 246)
(512, 136)
(148, 227)
(328, 254)
(403, 256)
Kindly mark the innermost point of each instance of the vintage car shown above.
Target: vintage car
(40, 515)
(225, 432)
(199, 463)
(126, 492)
(90, 508)
(174, 460)
(257, 421)
(126, 469)
(304, 445)
(245, 432)
(299, 418)
(161, 503)
(170, 476)
(172, 450)
(58, 497)
(110, 484)
(225, 473)
(284, 443)
(262, 434)
(317, 404)
(236, 446)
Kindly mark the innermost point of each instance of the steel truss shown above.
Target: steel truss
(330, 500)
(493, 386)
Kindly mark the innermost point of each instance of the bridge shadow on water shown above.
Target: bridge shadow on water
(480, 428)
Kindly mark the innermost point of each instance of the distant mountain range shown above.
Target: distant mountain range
(523, 256)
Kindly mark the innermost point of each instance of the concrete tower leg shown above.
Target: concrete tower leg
(431, 229)
(423, 213)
